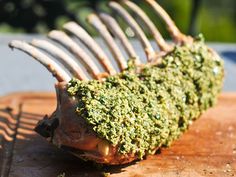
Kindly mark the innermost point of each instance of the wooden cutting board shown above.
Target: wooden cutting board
(208, 148)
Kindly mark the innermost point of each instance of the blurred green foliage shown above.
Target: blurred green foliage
(216, 19)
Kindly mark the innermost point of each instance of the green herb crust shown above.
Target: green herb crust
(140, 111)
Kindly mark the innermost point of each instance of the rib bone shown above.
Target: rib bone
(63, 39)
(56, 70)
(94, 20)
(116, 30)
(87, 40)
(172, 28)
(65, 59)
(135, 27)
(152, 28)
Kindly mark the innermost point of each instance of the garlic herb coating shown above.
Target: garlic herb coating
(143, 108)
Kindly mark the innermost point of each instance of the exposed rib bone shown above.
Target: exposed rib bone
(87, 40)
(63, 39)
(112, 25)
(56, 70)
(172, 28)
(135, 27)
(152, 28)
(65, 59)
(94, 20)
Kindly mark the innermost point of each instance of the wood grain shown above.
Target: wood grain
(208, 148)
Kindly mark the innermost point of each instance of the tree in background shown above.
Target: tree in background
(192, 16)
(28, 14)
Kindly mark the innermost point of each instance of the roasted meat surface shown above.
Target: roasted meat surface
(75, 135)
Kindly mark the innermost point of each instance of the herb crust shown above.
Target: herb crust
(140, 111)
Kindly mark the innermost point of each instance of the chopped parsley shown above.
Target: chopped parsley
(146, 107)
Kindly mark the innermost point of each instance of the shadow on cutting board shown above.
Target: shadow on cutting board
(24, 153)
